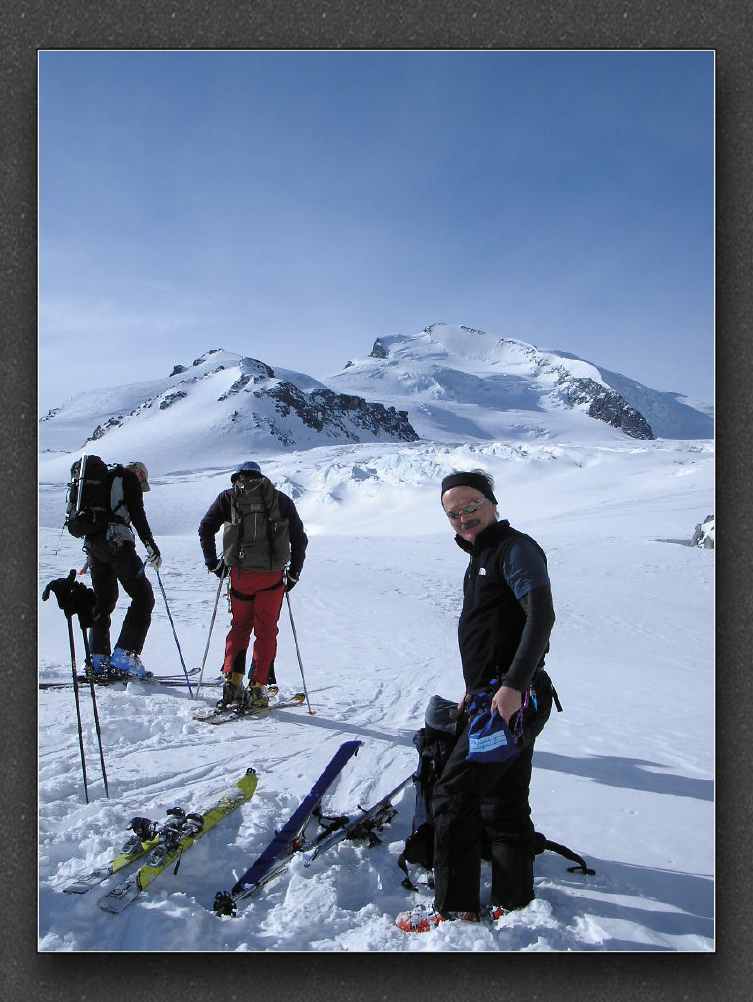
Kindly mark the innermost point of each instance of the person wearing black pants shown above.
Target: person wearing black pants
(112, 559)
(477, 804)
(108, 568)
(503, 636)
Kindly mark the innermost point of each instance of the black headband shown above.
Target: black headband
(476, 480)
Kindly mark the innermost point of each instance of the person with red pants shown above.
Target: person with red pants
(263, 536)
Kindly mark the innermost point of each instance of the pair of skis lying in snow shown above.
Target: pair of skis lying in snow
(164, 845)
(169, 680)
(105, 680)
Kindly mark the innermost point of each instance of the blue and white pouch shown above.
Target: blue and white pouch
(490, 740)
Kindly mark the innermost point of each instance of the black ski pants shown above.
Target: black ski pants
(477, 803)
(110, 565)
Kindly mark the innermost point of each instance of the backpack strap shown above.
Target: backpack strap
(116, 471)
(541, 843)
(270, 530)
(406, 882)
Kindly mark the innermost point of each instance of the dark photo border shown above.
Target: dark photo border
(26, 27)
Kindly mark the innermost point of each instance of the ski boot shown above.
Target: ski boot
(233, 692)
(271, 684)
(129, 663)
(100, 666)
(101, 670)
(256, 697)
(424, 918)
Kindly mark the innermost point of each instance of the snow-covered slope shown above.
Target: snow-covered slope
(458, 382)
(222, 407)
(624, 775)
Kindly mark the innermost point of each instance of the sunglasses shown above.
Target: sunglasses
(467, 509)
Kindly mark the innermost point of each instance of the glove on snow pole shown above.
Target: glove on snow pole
(73, 599)
(211, 627)
(298, 652)
(177, 643)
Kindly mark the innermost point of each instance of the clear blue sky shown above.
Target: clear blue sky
(293, 206)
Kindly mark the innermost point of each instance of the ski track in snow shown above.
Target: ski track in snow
(623, 776)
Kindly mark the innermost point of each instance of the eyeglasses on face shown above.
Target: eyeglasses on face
(467, 509)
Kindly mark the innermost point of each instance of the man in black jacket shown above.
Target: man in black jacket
(112, 558)
(503, 635)
(263, 535)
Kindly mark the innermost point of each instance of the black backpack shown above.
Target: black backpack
(434, 748)
(89, 514)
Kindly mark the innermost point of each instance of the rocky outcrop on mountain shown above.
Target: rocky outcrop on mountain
(171, 398)
(102, 429)
(329, 412)
(604, 404)
(253, 371)
(205, 356)
(240, 384)
(704, 535)
(379, 350)
(51, 413)
(669, 414)
(177, 369)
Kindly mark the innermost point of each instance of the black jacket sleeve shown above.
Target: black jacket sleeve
(134, 500)
(298, 538)
(534, 641)
(210, 525)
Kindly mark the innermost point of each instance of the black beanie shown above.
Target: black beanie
(476, 480)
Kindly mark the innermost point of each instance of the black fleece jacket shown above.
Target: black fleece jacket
(507, 615)
(220, 512)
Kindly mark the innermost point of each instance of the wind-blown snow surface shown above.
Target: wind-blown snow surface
(623, 776)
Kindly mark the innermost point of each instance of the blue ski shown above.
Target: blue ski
(288, 840)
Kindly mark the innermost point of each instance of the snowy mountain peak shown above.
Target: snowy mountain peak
(221, 407)
(458, 381)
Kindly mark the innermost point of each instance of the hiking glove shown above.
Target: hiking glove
(218, 568)
(154, 558)
(290, 582)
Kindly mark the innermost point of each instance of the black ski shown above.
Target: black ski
(362, 825)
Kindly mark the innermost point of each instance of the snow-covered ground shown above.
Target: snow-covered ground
(623, 776)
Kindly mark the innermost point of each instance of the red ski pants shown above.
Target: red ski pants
(255, 602)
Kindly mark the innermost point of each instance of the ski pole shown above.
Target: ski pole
(211, 627)
(90, 673)
(78, 707)
(298, 652)
(177, 643)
